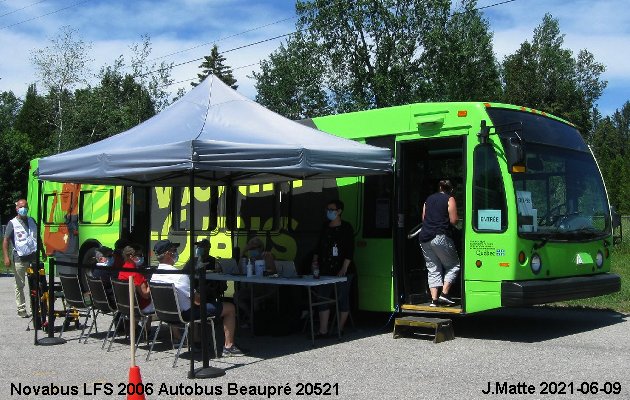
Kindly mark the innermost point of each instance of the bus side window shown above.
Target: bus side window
(96, 206)
(489, 204)
(257, 207)
(205, 201)
(55, 214)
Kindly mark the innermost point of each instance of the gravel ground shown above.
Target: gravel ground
(541, 346)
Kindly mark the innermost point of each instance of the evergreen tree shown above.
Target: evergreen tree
(33, 120)
(611, 145)
(9, 108)
(16, 151)
(215, 64)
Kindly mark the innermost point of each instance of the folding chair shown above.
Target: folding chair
(167, 309)
(75, 299)
(100, 301)
(121, 293)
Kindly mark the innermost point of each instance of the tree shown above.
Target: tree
(611, 145)
(16, 150)
(32, 120)
(61, 66)
(291, 82)
(391, 52)
(9, 107)
(152, 77)
(545, 76)
(215, 64)
(459, 59)
(113, 106)
(121, 99)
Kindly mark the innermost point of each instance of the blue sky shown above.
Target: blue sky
(189, 27)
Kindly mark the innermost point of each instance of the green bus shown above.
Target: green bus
(535, 223)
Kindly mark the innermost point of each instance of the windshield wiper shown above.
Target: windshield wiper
(542, 243)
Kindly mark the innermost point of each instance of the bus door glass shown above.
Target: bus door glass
(139, 216)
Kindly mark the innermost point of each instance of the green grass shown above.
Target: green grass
(619, 301)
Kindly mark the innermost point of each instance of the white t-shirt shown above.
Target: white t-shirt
(181, 282)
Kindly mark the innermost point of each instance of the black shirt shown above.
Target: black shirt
(436, 219)
(339, 237)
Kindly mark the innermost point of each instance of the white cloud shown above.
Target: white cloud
(602, 27)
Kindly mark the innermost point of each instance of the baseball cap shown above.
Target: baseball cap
(203, 243)
(162, 246)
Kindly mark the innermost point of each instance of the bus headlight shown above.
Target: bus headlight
(535, 264)
(599, 260)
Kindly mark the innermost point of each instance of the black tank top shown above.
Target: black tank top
(436, 220)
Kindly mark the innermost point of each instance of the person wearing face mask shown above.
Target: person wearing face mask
(134, 258)
(255, 251)
(103, 260)
(100, 263)
(22, 232)
(166, 253)
(333, 257)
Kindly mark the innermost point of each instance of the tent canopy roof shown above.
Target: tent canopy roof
(225, 137)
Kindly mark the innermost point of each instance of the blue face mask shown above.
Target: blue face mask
(139, 261)
(331, 215)
(23, 211)
(254, 253)
(175, 257)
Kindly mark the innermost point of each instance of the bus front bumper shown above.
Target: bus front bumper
(526, 293)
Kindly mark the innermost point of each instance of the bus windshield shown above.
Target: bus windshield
(561, 195)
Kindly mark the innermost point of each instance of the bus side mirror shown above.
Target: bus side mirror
(515, 155)
(616, 218)
(616, 226)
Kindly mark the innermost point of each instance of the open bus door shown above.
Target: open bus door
(420, 166)
(136, 217)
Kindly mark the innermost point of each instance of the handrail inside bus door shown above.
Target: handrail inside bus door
(414, 231)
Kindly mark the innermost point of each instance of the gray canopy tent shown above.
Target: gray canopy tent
(214, 136)
(221, 135)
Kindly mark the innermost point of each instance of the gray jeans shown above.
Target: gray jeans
(441, 259)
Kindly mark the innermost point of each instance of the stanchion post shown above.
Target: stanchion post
(51, 339)
(205, 371)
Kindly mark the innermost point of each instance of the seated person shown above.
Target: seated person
(133, 257)
(203, 262)
(166, 253)
(255, 251)
(119, 259)
(104, 258)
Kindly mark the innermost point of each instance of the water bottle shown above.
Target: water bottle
(250, 269)
(217, 266)
(243, 268)
(315, 267)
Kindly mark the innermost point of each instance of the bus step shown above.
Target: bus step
(426, 308)
(442, 328)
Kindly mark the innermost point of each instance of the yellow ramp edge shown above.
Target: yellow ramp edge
(427, 308)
